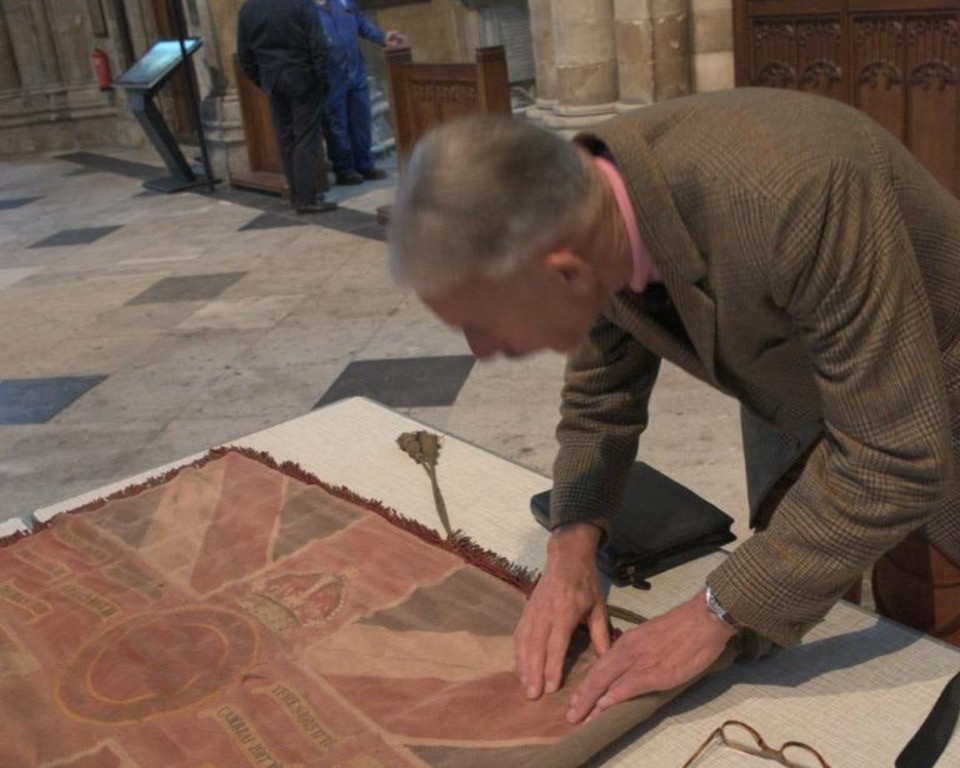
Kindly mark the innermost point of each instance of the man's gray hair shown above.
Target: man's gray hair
(481, 196)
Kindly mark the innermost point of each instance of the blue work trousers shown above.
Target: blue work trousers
(348, 124)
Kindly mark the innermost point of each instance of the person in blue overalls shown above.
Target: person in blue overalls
(348, 121)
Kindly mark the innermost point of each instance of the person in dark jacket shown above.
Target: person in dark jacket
(281, 48)
(348, 120)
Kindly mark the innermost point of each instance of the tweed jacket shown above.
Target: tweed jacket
(815, 267)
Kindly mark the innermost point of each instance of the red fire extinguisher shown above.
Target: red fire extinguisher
(101, 65)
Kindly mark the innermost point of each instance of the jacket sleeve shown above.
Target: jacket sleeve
(245, 54)
(369, 30)
(846, 274)
(317, 42)
(606, 391)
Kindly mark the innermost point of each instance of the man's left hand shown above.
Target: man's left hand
(660, 654)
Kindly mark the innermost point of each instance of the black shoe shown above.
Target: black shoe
(321, 207)
(349, 179)
(374, 174)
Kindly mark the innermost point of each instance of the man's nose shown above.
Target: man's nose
(482, 345)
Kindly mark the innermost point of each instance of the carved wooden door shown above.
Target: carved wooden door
(175, 97)
(896, 60)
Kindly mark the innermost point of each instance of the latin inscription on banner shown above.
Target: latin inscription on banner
(135, 580)
(90, 600)
(303, 715)
(50, 567)
(254, 750)
(16, 596)
(87, 548)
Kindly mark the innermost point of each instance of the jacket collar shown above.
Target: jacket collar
(682, 268)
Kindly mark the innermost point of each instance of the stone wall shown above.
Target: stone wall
(592, 59)
(434, 28)
(49, 98)
(712, 45)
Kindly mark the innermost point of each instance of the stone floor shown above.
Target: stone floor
(137, 328)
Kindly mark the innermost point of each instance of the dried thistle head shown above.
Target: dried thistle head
(421, 446)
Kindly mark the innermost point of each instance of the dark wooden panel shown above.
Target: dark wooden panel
(820, 59)
(425, 94)
(878, 62)
(896, 60)
(933, 60)
(175, 95)
(793, 7)
(422, 95)
(893, 6)
(262, 149)
(773, 53)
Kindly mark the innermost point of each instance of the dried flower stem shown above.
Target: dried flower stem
(424, 448)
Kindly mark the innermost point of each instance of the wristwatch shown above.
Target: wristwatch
(713, 605)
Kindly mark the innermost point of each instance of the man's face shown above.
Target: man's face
(539, 308)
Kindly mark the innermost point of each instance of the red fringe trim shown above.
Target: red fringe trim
(13, 538)
(459, 544)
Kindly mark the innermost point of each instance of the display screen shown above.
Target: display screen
(156, 63)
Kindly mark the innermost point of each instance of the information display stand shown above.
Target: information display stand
(142, 82)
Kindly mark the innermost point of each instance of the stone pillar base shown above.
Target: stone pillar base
(223, 126)
(565, 121)
(626, 106)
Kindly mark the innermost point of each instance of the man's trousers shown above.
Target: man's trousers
(296, 106)
(349, 124)
(914, 583)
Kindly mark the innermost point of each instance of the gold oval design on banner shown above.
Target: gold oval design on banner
(157, 663)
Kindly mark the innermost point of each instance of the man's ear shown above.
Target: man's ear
(575, 272)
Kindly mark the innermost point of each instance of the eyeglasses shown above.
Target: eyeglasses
(743, 738)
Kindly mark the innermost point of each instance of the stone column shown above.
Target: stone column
(222, 120)
(70, 24)
(9, 77)
(544, 56)
(32, 43)
(466, 31)
(586, 62)
(635, 64)
(671, 48)
(712, 45)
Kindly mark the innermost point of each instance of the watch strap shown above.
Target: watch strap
(714, 606)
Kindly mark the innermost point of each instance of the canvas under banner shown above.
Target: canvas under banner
(239, 613)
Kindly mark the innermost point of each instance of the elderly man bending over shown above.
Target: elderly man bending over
(782, 248)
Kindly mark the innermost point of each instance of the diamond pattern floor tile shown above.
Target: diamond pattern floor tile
(403, 383)
(36, 401)
(187, 288)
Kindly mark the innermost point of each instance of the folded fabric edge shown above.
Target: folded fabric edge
(459, 543)
(603, 734)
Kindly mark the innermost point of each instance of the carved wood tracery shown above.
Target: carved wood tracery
(899, 61)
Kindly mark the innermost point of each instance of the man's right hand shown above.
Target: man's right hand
(567, 594)
(395, 39)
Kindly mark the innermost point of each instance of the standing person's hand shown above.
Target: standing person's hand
(395, 39)
(567, 594)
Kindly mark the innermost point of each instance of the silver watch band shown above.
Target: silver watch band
(713, 605)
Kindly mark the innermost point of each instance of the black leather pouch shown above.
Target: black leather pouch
(660, 525)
